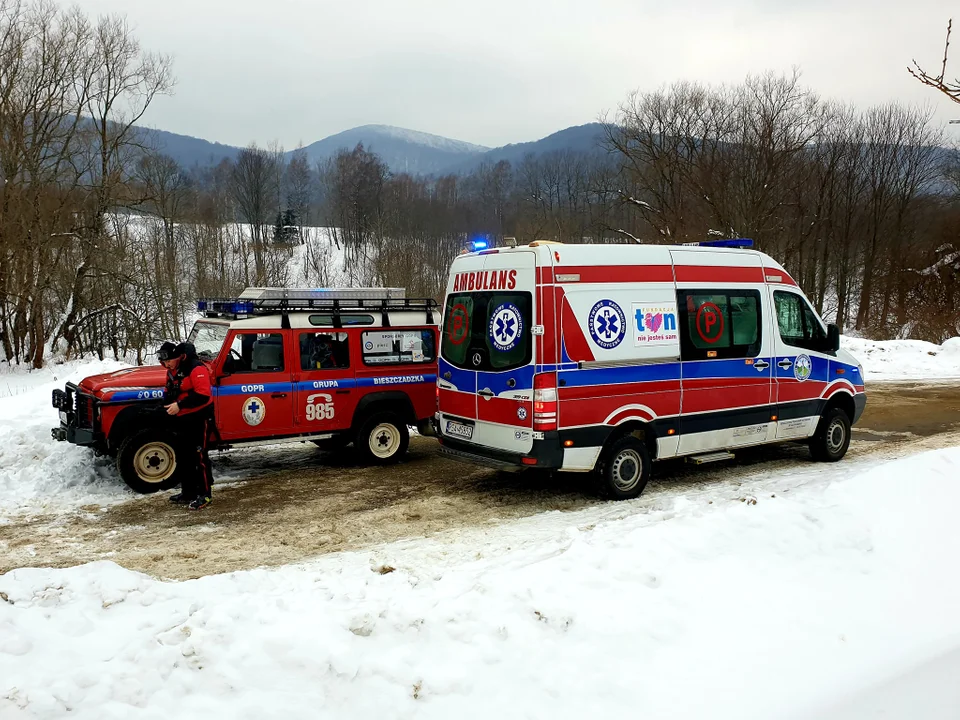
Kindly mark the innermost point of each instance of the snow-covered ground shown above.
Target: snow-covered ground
(906, 359)
(37, 472)
(824, 595)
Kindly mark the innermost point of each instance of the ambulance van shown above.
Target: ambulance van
(604, 358)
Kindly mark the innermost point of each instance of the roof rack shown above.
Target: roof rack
(281, 301)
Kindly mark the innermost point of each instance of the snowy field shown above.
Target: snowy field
(830, 594)
(38, 474)
(906, 359)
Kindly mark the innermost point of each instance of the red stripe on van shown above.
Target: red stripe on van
(714, 274)
(725, 398)
(572, 337)
(640, 388)
(617, 273)
(629, 413)
(544, 275)
(457, 403)
(596, 410)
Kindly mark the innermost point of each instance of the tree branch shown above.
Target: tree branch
(950, 89)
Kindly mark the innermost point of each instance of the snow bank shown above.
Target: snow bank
(905, 359)
(36, 472)
(788, 604)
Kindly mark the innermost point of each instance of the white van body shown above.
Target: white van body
(550, 352)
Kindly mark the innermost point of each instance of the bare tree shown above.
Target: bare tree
(255, 191)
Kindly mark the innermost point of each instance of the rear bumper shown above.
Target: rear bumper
(545, 454)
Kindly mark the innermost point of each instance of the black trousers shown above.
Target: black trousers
(194, 432)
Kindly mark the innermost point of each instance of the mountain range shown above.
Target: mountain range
(403, 150)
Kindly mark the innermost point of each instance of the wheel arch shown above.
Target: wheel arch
(843, 400)
(640, 429)
(128, 421)
(387, 401)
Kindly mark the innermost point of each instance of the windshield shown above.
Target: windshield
(208, 338)
(487, 330)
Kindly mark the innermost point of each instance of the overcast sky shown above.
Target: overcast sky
(498, 71)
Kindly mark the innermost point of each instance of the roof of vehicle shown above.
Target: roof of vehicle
(563, 254)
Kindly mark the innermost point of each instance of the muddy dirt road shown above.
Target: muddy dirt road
(310, 503)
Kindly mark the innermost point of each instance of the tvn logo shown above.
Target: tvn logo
(655, 324)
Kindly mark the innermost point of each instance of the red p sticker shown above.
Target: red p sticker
(709, 323)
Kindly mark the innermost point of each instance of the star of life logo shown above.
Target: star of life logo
(254, 411)
(506, 324)
(607, 324)
(802, 368)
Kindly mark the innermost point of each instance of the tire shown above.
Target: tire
(832, 438)
(148, 460)
(383, 438)
(625, 470)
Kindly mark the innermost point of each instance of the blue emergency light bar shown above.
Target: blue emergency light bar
(732, 243)
(479, 244)
(233, 307)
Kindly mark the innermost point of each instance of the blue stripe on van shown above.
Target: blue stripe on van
(619, 375)
(497, 381)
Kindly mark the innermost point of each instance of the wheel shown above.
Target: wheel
(832, 438)
(383, 438)
(147, 460)
(626, 469)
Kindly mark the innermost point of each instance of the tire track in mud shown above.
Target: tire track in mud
(310, 503)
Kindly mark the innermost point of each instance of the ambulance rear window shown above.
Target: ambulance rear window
(487, 330)
(719, 324)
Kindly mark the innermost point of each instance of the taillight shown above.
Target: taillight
(545, 401)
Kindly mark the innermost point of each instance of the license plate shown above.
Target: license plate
(459, 430)
(63, 417)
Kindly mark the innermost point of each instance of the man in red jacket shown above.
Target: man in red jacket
(188, 385)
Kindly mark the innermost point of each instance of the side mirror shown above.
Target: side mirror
(833, 337)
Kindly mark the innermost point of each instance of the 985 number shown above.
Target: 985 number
(319, 407)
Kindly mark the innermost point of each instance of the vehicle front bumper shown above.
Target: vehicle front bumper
(72, 429)
(859, 403)
(75, 435)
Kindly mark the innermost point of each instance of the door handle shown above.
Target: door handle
(343, 392)
(785, 364)
(278, 395)
(486, 392)
(761, 364)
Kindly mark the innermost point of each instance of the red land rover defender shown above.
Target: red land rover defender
(327, 366)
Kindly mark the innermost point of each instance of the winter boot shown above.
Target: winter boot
(200, 502)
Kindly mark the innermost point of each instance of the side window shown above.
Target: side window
(255, 352)
(324, 351)
(719, 324)
(398, 347)
(797, 322)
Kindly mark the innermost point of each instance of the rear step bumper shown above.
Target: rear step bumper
(546, 453)
(474, 459)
